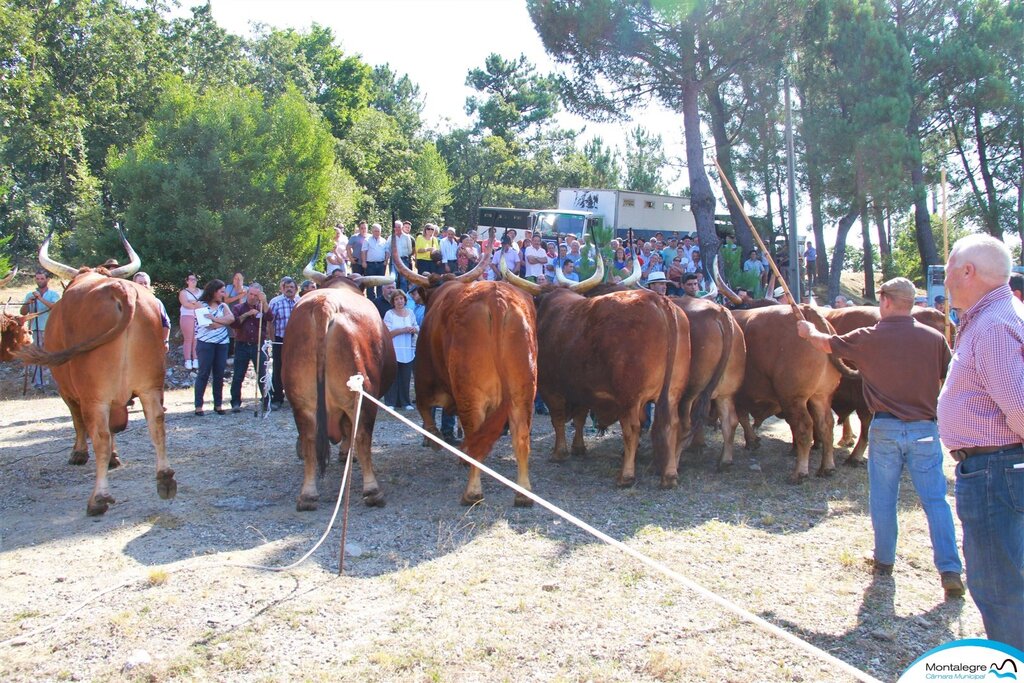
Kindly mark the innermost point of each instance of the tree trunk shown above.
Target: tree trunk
(723, 152)
(702, 200)
(992, 215)
(845, 223)
(884, 249)
(869, 258)
(922, 219)
(817, 224)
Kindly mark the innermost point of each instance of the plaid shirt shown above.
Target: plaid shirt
(282, 307)
(982, 402)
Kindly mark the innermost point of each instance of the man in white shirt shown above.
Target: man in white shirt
(449, 250)
(374, 255)
(511, 258)
(536, 258)
(403, 241)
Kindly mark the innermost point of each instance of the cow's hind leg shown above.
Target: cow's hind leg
(856, 456)
(846, 440)
(729, 420)
(630, 443)
(519, 425)
(559, 415)
(305, 422)
(579, 425)
(802, 426)
(97, 420)
(372, 495)
(821, 412)
(80, 451)
(153, 409)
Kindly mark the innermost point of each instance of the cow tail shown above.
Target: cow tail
(699, 412)
(127, 298)
(823, 325)
(671, 349)
(322, 442)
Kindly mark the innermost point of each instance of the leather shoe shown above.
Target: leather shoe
(199, 412)
(952, 584)
(882, 569)
(220, 411)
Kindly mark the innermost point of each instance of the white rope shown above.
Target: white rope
(197, 563)
(636, 554)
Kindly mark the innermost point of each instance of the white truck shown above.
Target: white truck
(621, 210)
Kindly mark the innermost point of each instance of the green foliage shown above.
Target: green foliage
(517, 99)
(224, 180)
(588, 262)
(907, 258)
(645, 162)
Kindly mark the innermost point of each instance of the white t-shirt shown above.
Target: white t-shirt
(534, 269)
(405, 344)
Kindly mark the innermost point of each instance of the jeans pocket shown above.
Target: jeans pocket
(1015, 487)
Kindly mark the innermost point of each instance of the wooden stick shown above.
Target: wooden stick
(760, 243)
(945, 259)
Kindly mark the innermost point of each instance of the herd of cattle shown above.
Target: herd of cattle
(484, 351)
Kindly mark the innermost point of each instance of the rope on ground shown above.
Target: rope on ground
(24, 638)
(636, 554)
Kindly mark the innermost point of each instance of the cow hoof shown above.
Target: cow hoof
(845, 443)
(473, 499)
(754, 445)
(725, 466)
(114, 462)
(669, 481)
(797, 478)
(826, 473)
(522, 501)
(99, 504)
(307, 503)
(166, 487)
(78, 458)
(854, 462)
(625, 482)
(579, 451)
(426, 442)
(373, 499)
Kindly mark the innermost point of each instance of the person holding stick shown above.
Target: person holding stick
(251, 318)
(41, 300)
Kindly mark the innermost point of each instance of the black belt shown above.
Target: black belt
(889, 416)
(962, 454)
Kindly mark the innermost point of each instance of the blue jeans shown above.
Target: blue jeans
(211, 357)
(990, 505)
(896, 444)
(245, 354)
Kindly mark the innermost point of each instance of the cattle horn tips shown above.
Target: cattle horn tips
(595, 279)
(310, 272)
(59, 269)
(404, 270)
(729, 294)
(512, 278)
(634, 277)
(134, 262)
(10, 276)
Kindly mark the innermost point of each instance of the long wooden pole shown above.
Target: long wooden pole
(945, 256)
(760, 243)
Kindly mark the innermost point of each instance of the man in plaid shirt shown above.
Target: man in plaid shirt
(281, 307)
(981, 421)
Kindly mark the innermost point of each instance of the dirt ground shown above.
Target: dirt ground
(433, 591)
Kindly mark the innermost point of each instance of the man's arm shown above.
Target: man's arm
(820, 341)
(999, 361)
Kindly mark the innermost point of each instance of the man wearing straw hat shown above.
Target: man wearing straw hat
(902, 363)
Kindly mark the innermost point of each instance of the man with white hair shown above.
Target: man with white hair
(840, 302)
(902, 363)
(981, 421)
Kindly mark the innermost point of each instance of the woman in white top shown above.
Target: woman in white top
(189, 300)
(401, 322)
(212, 322)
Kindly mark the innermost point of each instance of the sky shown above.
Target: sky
(436, 42)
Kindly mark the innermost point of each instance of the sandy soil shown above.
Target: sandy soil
(432, 590)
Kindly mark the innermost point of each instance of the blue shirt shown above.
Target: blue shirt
(34, 307)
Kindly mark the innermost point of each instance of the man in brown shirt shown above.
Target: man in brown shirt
(902, 364)
(249, 315)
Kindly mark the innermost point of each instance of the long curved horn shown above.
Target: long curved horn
(729, 294)
(522, 283)
(134, 262)
(56, 267)
(633, 277)
(376, 280)
(595, 279)
(10, 276)
(485, 261)
(404, 270)
(310, 272)
(712, 293)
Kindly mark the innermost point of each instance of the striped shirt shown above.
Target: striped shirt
(282, 307)
(982, 401)
(210, 335)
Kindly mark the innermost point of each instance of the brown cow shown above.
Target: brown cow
(786, 374)
(335, 332)
(849, 397)
(719, 355)
(14, 332)
(588, 352)
(104, 343)
(477, 356)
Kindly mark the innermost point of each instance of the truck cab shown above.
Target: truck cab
(553, 222)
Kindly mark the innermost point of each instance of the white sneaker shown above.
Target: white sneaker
(408, 408)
